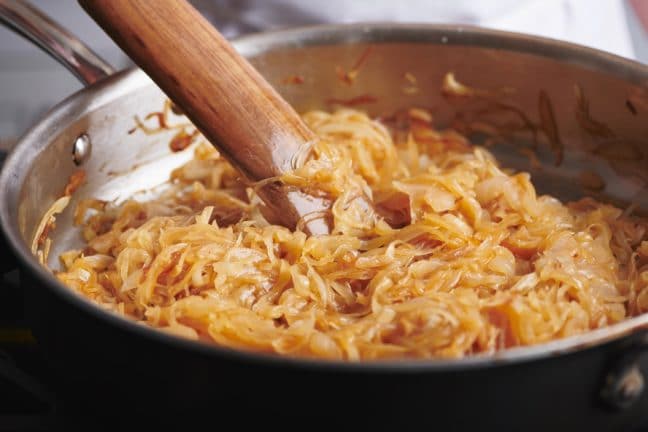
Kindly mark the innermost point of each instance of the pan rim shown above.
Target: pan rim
(128, 81)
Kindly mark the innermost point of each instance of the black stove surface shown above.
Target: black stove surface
(31, 395)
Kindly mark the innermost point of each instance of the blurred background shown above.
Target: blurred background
(31, 82)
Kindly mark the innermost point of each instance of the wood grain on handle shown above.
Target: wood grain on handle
(218, 90)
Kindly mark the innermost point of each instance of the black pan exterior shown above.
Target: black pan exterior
(120, 374)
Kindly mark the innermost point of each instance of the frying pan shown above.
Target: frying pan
(584, 115)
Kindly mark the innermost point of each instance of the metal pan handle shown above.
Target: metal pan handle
(65, 48)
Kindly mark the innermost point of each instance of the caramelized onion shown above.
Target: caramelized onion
(472, 260)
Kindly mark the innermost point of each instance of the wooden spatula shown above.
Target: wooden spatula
(219, 91)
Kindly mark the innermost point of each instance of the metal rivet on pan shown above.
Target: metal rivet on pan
(82, 149)
(623, 387)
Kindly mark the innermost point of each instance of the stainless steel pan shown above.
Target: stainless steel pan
(588, 105)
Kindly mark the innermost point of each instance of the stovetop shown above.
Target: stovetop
(26, 399)
(29, 400)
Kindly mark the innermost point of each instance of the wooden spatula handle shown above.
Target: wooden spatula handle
(219, 91)
(200, 71)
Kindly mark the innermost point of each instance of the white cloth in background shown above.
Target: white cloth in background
(599, 24)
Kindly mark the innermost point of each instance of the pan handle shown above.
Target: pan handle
(88, 67)
(34, 25)
(7, 259)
